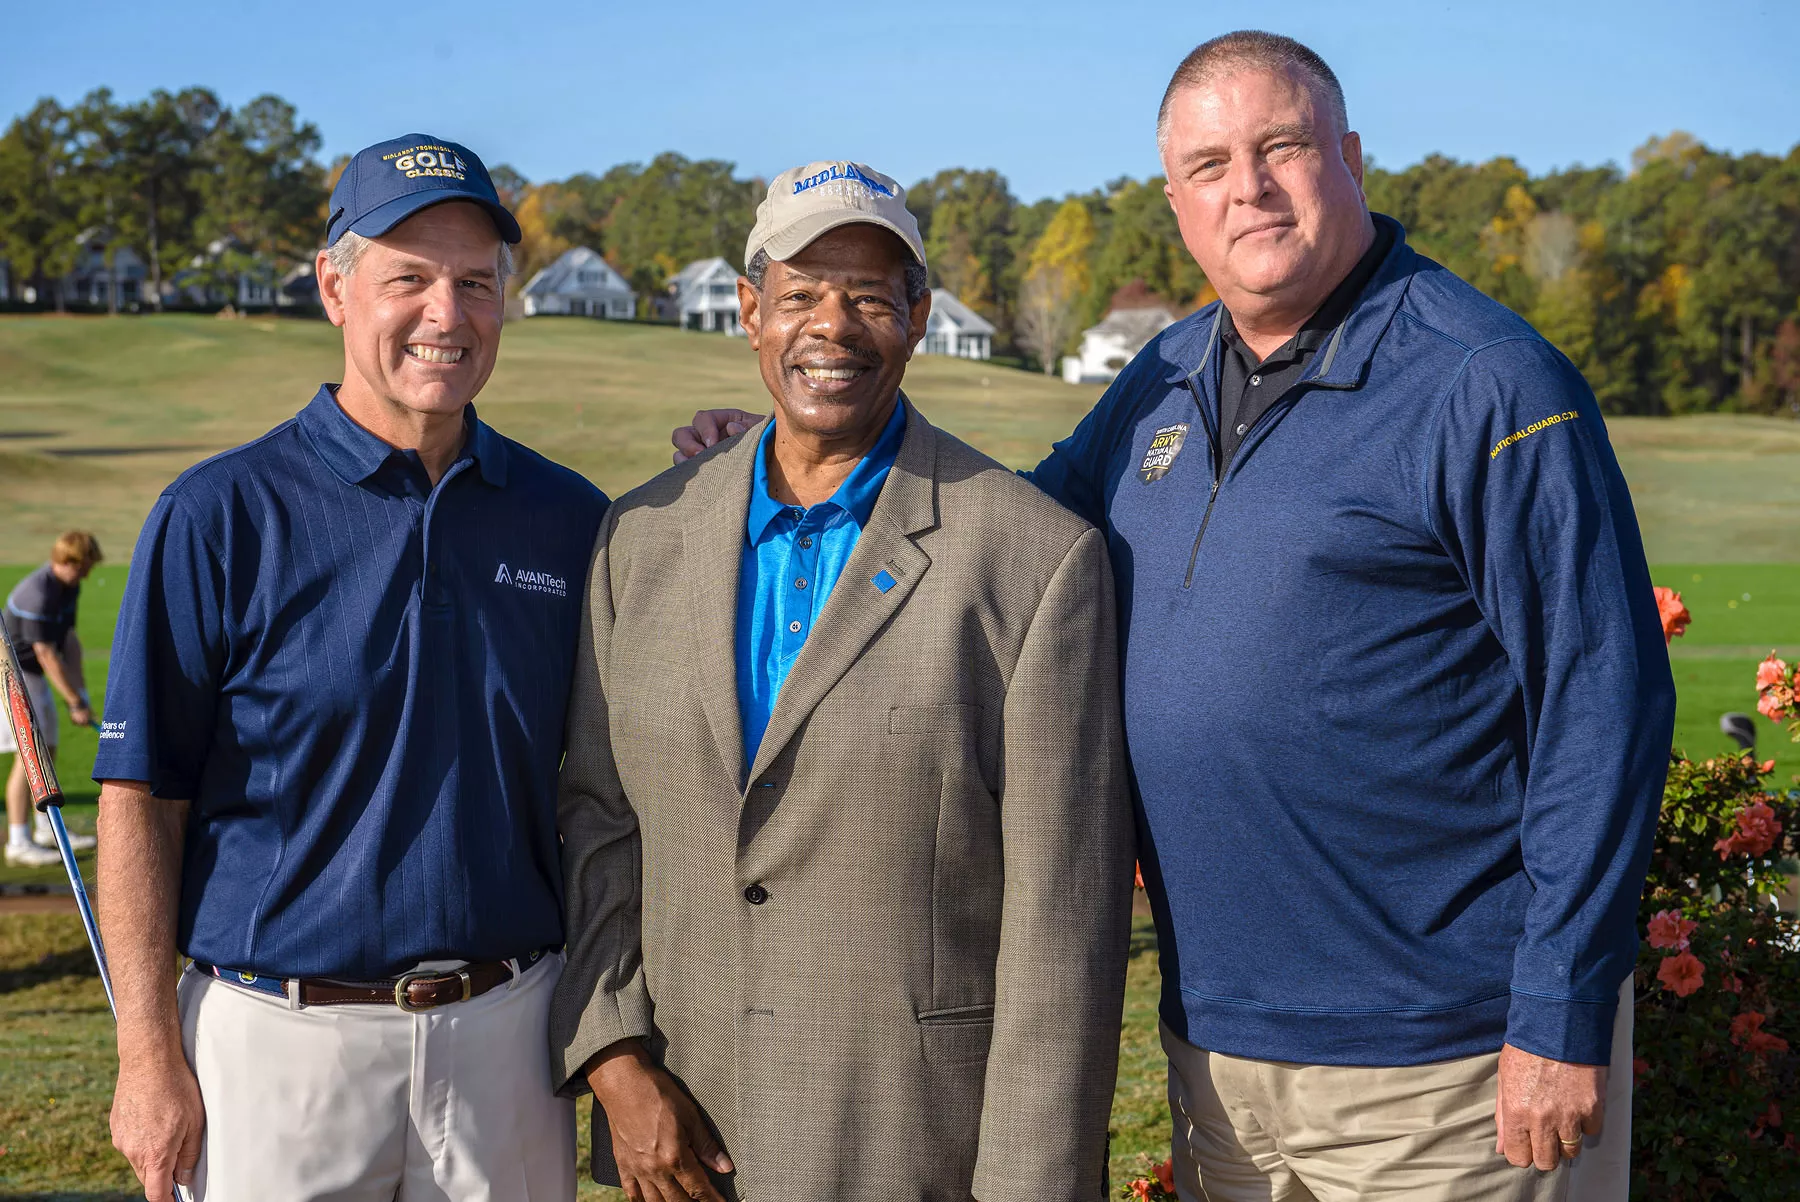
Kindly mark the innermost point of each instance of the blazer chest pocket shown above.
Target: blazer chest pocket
(959, 1035)
(934, 719)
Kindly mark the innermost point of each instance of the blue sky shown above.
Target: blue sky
(1059, 96)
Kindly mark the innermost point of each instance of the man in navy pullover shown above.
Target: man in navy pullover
(1398, 706)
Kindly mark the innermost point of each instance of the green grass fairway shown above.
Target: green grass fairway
(98, 414)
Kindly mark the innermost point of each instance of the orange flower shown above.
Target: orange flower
(1165, 1173)
(1138, 874)
(1747, 1033)
(1669, 929)
(1766, 767)
(1761, 1043)
(1774, 703)
(1755, 835)
(1771, 671)
(1141, 1188)
(1674, 614)
(1682, 974)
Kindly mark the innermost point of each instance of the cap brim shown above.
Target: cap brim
(787, 242)
(382, 218)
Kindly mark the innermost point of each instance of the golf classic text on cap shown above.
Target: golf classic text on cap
(809, 201)
(390, 181)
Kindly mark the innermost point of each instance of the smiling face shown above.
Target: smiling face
(833, 332)
(421, 311)
(1266, 188)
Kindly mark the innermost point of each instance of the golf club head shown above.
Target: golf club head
(1740, 728)
(40, 772)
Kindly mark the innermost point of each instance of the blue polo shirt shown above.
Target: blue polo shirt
(358, 681)
(792, 560)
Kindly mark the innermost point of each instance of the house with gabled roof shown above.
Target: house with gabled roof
(1133, 318)
(955, 329)
(581, 284)
(703, 296)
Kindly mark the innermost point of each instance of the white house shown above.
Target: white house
(955, 329)
(91, 280)
(205, 282)
(1136, 316)
(582, 284)
(704, 296)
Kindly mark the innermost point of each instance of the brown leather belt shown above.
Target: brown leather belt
(413, 992)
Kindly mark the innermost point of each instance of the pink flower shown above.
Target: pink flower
(1674, 614)
(1774, 703)
(1755, 835)
(1682, 974)
(1766, 767)
(1771, 671)
(1669, 929)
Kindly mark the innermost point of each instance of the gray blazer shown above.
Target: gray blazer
(886, 958)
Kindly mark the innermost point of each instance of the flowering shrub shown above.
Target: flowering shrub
(1776, 687)
(1157, 1182)
(1718, 989)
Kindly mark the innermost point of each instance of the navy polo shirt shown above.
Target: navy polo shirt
(358, 681)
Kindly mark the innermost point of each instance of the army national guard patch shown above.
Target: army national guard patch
(1164, 446)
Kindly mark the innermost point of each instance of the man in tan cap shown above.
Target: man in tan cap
(848, 889)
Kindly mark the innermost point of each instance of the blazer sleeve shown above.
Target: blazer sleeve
(1067, 839)
(601, 997)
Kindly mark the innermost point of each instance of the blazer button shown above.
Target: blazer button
(756, 895)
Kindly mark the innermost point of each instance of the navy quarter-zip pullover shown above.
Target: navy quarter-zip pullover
(1398, 703)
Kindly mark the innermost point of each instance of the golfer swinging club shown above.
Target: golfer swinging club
(328, 772)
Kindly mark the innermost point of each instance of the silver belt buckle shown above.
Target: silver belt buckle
(407, 978)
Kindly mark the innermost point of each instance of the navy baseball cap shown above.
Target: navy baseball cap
(390, 181)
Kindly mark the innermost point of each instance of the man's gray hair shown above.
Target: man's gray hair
(918, 281)
(1252, 48)
(348, 250)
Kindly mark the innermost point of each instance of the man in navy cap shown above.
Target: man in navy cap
(333, 728)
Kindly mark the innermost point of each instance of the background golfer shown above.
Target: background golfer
(334, 722)
(40, 616)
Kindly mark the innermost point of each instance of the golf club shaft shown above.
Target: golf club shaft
(81, 901)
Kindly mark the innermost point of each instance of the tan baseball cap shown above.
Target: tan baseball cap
(806, 202)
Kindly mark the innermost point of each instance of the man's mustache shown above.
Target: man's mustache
(799, 357)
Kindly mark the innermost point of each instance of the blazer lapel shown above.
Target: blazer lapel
(859, 607)
(712, 556)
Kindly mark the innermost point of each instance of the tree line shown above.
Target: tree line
(190, 185)
(1673, 284)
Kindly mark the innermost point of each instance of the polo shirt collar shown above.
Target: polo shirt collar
(355, 454)
(856, 496)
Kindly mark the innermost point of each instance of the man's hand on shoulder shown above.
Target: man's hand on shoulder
(711, 427)
(157, 1120)
(659, 1139)
(1546, 1108)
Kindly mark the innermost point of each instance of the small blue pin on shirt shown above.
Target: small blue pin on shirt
(882, 581)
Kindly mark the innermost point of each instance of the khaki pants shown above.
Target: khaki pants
(1264, 1131)
(359, 1103)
